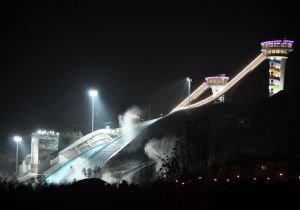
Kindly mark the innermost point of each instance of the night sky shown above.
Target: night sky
(134, 54)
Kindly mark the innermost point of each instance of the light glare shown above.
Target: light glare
(17, 138)
(93, 93)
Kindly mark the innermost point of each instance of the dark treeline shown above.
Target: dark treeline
(96, 194)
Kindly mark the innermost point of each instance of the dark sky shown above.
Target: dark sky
(134, 54)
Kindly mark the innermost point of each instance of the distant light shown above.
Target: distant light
(182, 183)
(199, 177)
(215, 180)
(17, 138)
(238, 176)
(227, 180)
(161, 114)
(263, 167)
(93, 93)
(254, 178)
(268, 178)
(176, 180)
(280, 174)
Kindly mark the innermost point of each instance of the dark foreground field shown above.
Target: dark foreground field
(95, 194)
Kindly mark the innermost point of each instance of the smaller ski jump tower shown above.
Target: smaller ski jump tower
(217, 83)
(277, 53)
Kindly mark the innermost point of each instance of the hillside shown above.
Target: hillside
(256, 130)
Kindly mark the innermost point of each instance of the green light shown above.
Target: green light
(275, 87)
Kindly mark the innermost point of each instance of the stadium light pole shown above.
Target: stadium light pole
(93, 94)
(17, 139)
(189, 80)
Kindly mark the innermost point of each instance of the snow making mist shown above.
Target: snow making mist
(129, 119)
(157, 149)
(109, 178)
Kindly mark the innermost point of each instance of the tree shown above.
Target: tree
(89, 172)
(97, 172)
(84, 172)
(118, 177)
(192, 151)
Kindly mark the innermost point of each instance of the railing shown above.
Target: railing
(199, 91)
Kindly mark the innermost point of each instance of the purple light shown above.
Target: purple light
(274, 41)
(288, 41)
(216, 77)
(277, 42)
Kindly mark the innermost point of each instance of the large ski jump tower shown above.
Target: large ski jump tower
(277, 53)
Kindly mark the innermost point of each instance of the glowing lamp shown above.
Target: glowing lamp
(188, 79)
(93, 93)
(17, 138)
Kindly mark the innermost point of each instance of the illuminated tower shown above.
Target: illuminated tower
(43, 144)
(217, 83)
(277, 52)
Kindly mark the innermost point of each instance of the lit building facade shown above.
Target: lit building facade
(43, 144)
(217, 83)
(277, 53)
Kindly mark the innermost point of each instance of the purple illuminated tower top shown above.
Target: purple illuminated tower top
(277, 48)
